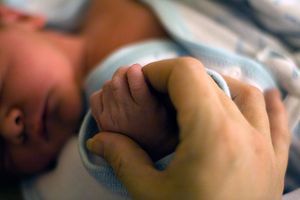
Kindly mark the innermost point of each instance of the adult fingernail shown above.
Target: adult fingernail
(94, 146)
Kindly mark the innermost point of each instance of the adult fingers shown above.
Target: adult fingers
(192, 93)
(251, 104)
(130, 163)
(279, 126)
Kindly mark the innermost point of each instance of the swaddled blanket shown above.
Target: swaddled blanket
(280, 17)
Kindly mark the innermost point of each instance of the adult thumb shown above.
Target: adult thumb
(130, 162)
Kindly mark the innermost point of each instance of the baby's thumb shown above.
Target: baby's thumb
(131, 164)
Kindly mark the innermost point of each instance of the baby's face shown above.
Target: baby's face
(40, 101)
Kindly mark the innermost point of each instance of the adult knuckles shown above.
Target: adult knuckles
(252, 93)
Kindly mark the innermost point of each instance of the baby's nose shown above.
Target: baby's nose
(13, 126)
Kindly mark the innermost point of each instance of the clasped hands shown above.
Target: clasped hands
(233, 149)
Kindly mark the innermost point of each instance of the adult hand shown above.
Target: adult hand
(228, 149)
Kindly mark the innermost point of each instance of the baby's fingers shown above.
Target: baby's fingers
(118, 86)
(138, 87)
(96, 102)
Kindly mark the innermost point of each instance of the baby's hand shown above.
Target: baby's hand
(126, 105)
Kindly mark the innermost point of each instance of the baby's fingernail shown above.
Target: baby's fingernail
(136, 64)
(94, 146)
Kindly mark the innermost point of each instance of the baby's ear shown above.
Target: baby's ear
(10, 16)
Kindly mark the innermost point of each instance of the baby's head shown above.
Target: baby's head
(40, 99)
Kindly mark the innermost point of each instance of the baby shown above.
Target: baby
(42, 74)
(127, 105)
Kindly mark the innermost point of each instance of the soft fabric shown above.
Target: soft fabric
(62, 14)
(281, 17)
(292, 196)
(68, 181)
